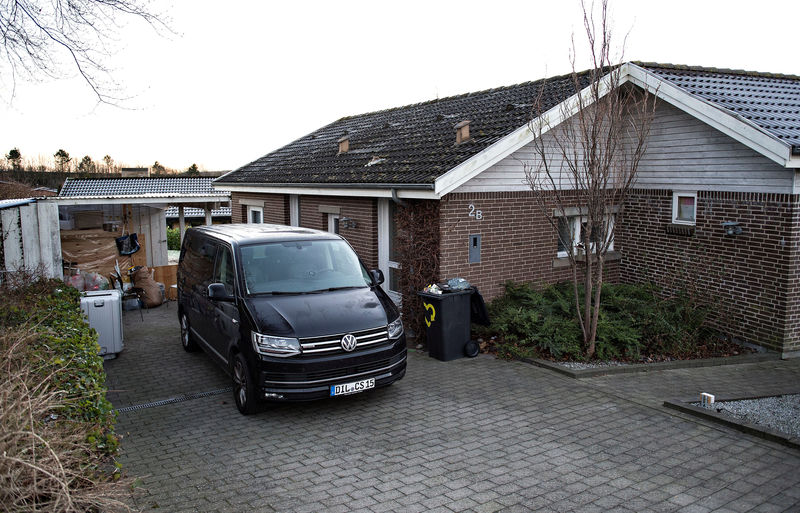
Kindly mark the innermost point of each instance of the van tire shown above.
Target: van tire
(244, 390)
(187, 341)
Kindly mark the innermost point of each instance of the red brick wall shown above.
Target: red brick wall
(363, 238)
(364, 211)
(517, 241)
(276, 207)
(752, 278)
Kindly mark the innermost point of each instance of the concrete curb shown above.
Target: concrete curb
(645, 367)
(730, 421)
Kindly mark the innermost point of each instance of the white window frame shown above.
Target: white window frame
(575, 223)
(250, 210)
(384, 263)
(333, 224)
(294, 210)
(683, 194)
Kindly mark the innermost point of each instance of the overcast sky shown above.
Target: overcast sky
(240, 79)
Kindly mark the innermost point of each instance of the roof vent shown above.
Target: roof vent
(462, 132)
(344, 144)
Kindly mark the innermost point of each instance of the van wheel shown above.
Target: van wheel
(188, 343)
(244, 392)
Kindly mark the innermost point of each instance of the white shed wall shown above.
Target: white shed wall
(31, 239)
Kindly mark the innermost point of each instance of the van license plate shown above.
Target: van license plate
(353, 388)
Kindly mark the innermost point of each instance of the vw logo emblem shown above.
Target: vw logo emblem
(349, 342)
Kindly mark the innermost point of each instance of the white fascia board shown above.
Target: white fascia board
(331, 191)
(523, 135)
(740, 129)
(136, 200)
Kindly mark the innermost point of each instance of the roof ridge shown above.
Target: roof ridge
(462, 95)
(727, 71)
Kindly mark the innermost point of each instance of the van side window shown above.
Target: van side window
(199, 261)
(223, 271)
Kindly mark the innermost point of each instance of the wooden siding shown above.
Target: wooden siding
(683, 153)
(31, 239)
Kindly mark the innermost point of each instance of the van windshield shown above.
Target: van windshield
(300, 267)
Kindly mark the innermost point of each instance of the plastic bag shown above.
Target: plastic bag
(77, 281)
(95, 281)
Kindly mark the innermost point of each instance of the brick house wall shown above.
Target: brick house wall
(752, 278)
(364, 211)
(276, 207)
(517, 242)
(363, 238)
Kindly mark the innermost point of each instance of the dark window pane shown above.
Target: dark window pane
(394, 279)
(564, 234)
(393, 253)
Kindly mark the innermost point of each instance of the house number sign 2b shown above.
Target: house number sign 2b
(477, 214)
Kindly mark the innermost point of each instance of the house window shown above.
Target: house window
(255, 215)
(684, 207)
(394, 255)
(572, 228)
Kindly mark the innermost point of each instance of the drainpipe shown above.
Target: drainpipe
(397, 200)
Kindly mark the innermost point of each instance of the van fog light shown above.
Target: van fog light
(270, 395)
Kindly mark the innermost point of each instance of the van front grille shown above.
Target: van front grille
(278, 379)
(331, 344)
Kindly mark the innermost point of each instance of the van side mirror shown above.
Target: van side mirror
(218, 292)
(377, 276)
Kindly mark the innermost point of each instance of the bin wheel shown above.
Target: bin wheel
(471, 349)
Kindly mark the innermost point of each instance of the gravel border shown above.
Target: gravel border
(740, 424)
(602, 369)
(781, 413)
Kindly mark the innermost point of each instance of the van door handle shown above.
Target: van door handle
(234, 321)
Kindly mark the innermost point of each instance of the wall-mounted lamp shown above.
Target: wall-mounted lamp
(732, 228)
(346, 222)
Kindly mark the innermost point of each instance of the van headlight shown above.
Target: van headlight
(395, 329)
(275, 346)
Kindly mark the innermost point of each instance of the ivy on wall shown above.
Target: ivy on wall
(417, 245)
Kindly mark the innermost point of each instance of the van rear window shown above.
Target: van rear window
(301, 267)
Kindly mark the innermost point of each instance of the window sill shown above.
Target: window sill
(686, 230)
(562, 262)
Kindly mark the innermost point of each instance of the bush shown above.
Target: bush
(174, 239)
(633, 320)
(57, 450)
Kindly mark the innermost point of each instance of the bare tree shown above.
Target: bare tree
(47, 38)
(588, 156)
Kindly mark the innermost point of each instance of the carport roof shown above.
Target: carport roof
(156, 190)
(125, 187)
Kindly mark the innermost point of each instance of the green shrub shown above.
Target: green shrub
(174, 239)
(65, 350)
(633, 320)
(58, 439)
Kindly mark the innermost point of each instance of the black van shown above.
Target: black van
(291, 313)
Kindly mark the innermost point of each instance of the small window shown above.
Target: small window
(571, 229)
(684, 207)
(255, 215)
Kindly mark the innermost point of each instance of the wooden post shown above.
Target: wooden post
(181, 221)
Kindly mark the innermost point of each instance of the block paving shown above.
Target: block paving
(479, 434)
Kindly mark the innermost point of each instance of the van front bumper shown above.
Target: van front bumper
(307, 378)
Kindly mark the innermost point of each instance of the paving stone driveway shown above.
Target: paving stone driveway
(469, 435)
